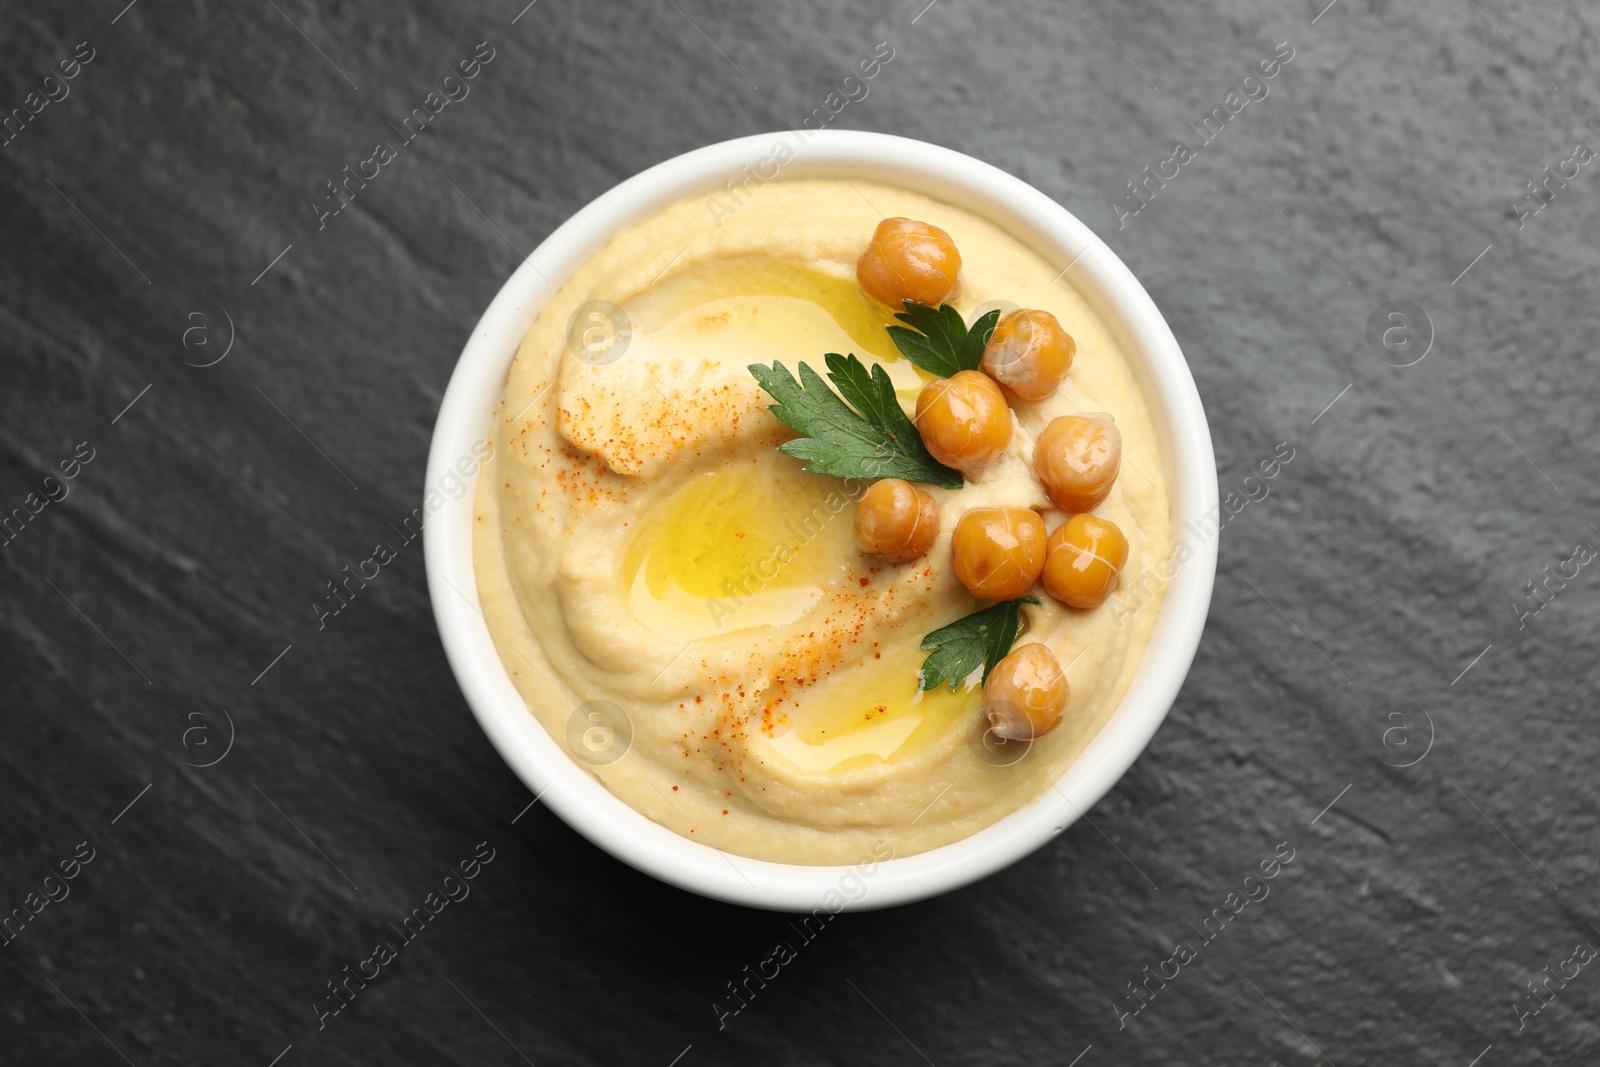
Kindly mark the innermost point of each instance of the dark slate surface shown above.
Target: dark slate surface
(1371, 593)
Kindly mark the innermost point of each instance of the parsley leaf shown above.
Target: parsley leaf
(980, 639)
(879, 442)
(939, 341)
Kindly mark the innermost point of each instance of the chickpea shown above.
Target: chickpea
(1026, 694)
(1083, 560)
(1077, 458)
(964, 420)
(909, 260)
(1029, 353)
(896, 520)
(998, 552)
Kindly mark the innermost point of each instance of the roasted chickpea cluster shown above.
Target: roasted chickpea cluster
(965, 422)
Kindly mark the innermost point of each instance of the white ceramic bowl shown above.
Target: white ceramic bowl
(575, 795)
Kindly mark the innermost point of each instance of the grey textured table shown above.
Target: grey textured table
(1375, 691)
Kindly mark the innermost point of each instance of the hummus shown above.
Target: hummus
(683, 607)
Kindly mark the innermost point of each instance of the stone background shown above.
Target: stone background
(1365, 608)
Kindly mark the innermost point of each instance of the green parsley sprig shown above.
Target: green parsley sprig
(980, 639)
(875, 440)
(938, 340)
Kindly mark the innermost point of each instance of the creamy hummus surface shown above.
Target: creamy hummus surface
(683, 607)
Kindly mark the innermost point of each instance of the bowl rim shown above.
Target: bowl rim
(577, 796)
